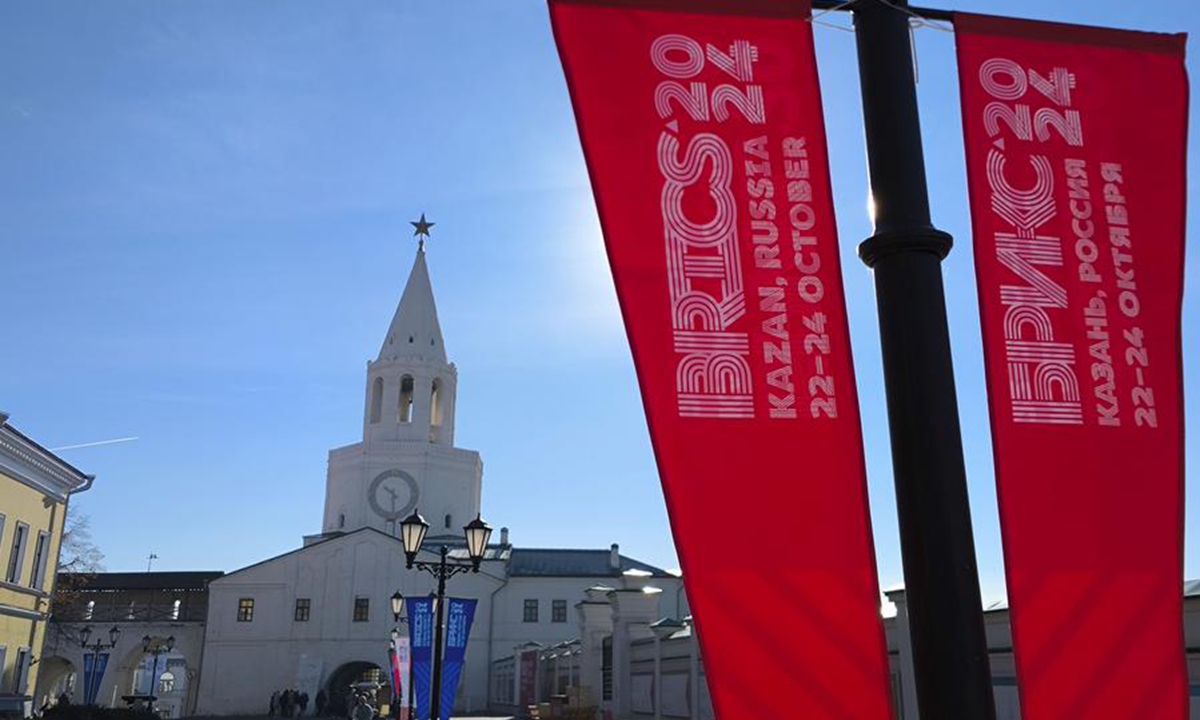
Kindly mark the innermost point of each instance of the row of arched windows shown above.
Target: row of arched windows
(404, 410)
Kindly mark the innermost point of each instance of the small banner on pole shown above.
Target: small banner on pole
(393, 676)
(460, 613)
(420, 633)
(702, 129)
(528, 678)
(1075, 144)
(400, 662)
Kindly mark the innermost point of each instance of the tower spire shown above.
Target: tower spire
(414, 331)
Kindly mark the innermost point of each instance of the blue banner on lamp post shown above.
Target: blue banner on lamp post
(459, 615)
(94, 665)
(420, 629)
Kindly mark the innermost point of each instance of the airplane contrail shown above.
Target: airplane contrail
(94, 444)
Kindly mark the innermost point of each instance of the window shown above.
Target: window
(90, 611)
(132, 610)
(21, 672)
(175, 609)
(246, 610)
(376, 400)
(39, 560)
(448, 520)
(303, 607)
(166, 683)
(531, 611)
(341, 520)
(3, 659)
(362, 609)
(16, 558)
(406, 399)
(558, 611)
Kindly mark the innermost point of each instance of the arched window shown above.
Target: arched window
(341, 521)
(406, 399)
(376, 399)
(448, 520)
(435, 411)
(175, 609)
(91, 610)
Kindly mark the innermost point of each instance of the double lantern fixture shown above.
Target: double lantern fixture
(114, 634)
(414, 528)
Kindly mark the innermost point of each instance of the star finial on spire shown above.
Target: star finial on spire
(422, 230)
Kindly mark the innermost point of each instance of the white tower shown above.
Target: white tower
(407, 457)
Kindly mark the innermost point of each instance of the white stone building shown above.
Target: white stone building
(318, 617)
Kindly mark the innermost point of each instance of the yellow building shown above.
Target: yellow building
(35, 486)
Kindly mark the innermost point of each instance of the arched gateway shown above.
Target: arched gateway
(356, 675)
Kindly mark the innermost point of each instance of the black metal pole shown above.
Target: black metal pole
(435, 711)
(411, 704)
(945, 610)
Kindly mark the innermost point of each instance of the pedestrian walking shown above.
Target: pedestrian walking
(303, 700)
(322, 702)
(274, 703)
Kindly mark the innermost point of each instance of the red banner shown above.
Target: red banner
(1075, 142)
(702, 128)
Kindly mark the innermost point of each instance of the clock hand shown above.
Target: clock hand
(394, 497)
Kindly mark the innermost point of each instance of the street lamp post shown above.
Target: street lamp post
(397, 609)
(156, 647)
(114, 634)
(945, 613)
(412, 532)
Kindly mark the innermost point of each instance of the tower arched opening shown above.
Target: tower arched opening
(405, 409)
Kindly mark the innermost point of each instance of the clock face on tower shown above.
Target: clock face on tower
(392, 494)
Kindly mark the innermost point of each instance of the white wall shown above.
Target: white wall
(245, 661)
(511, 630)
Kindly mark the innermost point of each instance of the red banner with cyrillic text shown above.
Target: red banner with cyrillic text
(1075, 142)
(702, 129)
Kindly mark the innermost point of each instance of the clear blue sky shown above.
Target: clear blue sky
(204, 209)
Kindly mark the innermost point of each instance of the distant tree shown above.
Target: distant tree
(78, 560)
(79, 554)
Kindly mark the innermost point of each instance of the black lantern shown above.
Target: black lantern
(114, 634)
(170, 643)
(145, 643)
(412, 532)
(84, 635)
(397, 604)
(478, 533)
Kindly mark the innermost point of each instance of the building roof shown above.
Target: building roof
(565, 562)
(522, 562)
(26, 461)
(186, 580)
(415, 329)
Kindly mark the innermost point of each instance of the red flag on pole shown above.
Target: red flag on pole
(701, 125)
(1075, 142)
